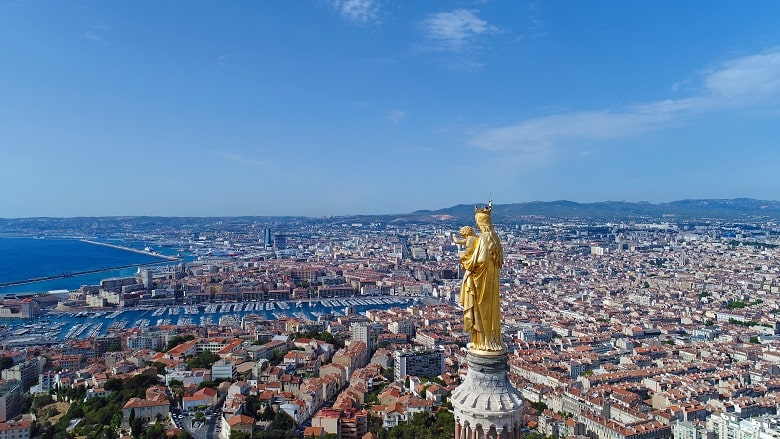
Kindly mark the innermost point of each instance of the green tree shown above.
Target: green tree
(41, 400)
(424, 426)
(113, 385)
(107, 433)
(325, 336)
(204, 360)
(208, 383)
(282, 421)
(235, 434)
(156, 432)
(136, 427)
(277, 358)
(116, 420)
(268, 413)
(374, 423)
(252, 405)
(177, 389)
(213, 384)
(160, 367)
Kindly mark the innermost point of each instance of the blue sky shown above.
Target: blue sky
(360, 106)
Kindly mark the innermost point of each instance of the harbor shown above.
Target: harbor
(45, 264)
(54, 327)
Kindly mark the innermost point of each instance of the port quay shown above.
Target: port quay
(53, 327)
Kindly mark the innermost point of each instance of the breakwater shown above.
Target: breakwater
(69, 274)
(57, 259)
(134, 250)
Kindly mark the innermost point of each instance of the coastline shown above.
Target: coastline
(110, 266)
(78, 273)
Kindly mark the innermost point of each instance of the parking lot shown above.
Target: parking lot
(206, 428)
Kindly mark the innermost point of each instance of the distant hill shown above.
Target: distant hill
(723, 209)
(738, 209)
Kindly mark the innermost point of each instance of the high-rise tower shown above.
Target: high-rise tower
(280, 241)
(486, 405)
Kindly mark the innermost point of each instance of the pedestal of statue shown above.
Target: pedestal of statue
(486, 405)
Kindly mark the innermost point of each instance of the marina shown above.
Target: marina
(55, 327)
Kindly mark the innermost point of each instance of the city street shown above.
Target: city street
(202, 430)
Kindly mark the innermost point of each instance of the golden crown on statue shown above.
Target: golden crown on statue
(483, 215)
(487, 209)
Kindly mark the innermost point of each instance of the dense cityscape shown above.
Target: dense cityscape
(640, 328)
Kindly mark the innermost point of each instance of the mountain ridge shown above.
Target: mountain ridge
(722, 208)
(686, 209)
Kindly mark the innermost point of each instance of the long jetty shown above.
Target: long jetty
(69, 274)
(97, 270)
(134, 250)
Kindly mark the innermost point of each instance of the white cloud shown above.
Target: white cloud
(456, 30)
(92, 36)
(739, 82)
(357, 12)
(748, 78)
(95, 33)
(226, 61)
(89, 35)
(238, 158)
(394, 117)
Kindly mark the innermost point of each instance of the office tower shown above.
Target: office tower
(280, 241)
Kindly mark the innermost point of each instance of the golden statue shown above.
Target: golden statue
(482, 260)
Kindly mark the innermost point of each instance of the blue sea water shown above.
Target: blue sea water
(30, 258)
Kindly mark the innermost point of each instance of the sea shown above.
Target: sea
(25, 258)
(30, 258)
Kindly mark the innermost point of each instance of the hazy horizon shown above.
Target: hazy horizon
(498, 204)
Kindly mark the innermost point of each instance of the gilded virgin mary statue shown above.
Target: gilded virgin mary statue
(479, 295)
